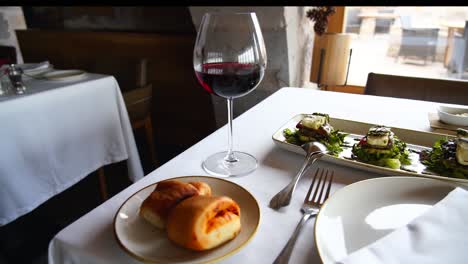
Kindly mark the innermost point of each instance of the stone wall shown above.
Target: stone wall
(11, 18)
(300, 38)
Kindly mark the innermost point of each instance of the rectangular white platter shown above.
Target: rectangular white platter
(415, 140)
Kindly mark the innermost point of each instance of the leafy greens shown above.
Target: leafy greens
(333, 143)
(442, 159)
(392, 158)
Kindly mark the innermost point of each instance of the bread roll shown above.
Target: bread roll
(203, 188)
(204, 222)
(166, 196)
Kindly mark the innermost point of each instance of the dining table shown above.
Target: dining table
(58, 132)
(91, 238)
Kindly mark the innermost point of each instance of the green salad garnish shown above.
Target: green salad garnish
(392, 157)
(442, 159)
(333, 143)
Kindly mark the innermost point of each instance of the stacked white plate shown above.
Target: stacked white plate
(64, 75)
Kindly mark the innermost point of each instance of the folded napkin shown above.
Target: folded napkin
(33, 67)
(439, 235)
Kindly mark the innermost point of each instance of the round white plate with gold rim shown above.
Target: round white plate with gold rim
(149, 244)
(362, 212)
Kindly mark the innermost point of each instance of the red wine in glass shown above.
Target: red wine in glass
(229, 59)
(230, 79)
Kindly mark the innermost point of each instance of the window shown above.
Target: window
(411, 41)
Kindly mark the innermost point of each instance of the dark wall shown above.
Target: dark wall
(170, 20)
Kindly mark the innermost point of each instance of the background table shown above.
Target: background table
(58, 133)
(91, 240)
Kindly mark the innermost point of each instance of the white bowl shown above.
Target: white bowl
(448, 114)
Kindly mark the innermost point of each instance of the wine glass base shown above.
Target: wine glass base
(218, 166)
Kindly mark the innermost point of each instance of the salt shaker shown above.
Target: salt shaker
(15, 75)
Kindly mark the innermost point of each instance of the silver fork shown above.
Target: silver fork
(311, 207)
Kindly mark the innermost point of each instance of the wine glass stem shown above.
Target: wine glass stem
(230, 153)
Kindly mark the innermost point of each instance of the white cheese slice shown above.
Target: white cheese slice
(313, 121)
(462, 152)
(374, 140)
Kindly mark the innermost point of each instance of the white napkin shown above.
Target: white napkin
(440, 235)
(27, 67)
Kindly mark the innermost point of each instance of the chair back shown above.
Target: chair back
(352, 17)
(353, 21)
(139, 103)
(435, 90)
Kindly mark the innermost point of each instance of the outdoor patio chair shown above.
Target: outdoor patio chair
(382, 25)
(458, 61)
(417, 42)
(353, 22)
(434, 90)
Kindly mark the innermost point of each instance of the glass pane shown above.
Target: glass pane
(411, 41)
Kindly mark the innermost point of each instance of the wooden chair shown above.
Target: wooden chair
(435, 90)
(138, 102)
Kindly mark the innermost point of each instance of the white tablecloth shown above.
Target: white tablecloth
(57, 134)
(91, 240)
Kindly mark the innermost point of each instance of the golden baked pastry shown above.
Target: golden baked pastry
(204, 222)
(203, 188)
(167, 194)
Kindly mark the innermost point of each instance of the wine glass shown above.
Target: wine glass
(229, 60)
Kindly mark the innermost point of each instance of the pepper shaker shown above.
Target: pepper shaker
(15, 75)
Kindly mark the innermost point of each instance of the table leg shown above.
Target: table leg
(149, 138)
(102, 184)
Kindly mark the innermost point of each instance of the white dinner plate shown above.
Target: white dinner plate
(149, 244)
(64, 75)
(362, 212)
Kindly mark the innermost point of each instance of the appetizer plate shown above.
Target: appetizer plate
(363, 212)
(149, 244)
(415, 141)
(64, 75)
